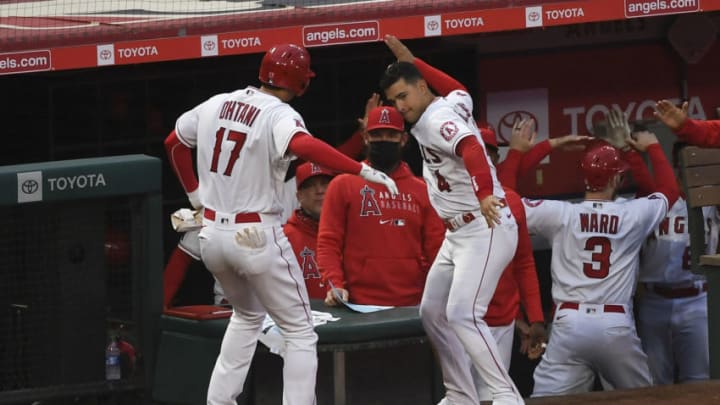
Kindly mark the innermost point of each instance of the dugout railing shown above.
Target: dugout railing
(80, 261)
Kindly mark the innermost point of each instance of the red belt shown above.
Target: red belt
(452, 226)
(240, 217)
(684, 292)
(606, 308)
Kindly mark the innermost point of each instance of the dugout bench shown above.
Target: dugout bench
(188, 349)
(700, 176)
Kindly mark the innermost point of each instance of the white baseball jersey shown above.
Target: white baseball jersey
(665, 256)
(242, 139)
(595, 245)
(443, 124)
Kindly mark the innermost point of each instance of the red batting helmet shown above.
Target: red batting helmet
(287, 66)
(600, 163)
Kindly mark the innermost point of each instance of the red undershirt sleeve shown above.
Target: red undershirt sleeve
(180, 157)
(476, 164)
(437, 79)
(314, 150)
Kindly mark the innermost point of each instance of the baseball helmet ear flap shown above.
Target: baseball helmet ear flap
(600, 164)
(287, 66)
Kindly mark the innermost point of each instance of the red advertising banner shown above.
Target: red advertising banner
(24, 62)
(568, 92)
(371, 27)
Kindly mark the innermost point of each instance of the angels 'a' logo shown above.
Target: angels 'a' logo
(532, 203)
(309, 265)
(369, 205)
(384, 116)
(299, 124)
(448, 130)
(314, 168)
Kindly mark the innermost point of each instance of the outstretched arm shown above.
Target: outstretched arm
(436, 78)
(664, 176)
(314, 150)
(641, 174)
(695, 132)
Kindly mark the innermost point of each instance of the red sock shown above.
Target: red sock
(174, 274)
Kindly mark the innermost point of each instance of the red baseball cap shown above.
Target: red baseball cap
(487, 132)
(385, 117)
(308, 170)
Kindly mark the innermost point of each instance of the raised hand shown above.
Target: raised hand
(523, 135)
(670, 114)
(618, 130)
(642, 140)
(401, 52)
(372, 102)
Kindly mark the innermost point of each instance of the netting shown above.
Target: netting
(32, 24)
(65, 287)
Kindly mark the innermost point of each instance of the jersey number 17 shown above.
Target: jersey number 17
(233, 136)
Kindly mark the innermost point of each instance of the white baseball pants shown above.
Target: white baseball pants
(259, 279)
(459, 287)
(674, 333)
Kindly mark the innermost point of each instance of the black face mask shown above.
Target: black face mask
(384, 155)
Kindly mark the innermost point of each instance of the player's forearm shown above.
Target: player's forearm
(641, 174)
(331, 236)
(329, 258)
(700, 133)
(353, 147)
(437, 79)
(314, 150)
(476, 164)
(534, 156)
(664, 175)
(180, 157)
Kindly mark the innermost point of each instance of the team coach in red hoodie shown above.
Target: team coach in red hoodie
(375, 248)
(301, 228)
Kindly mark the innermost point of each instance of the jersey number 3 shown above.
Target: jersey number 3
(600, 265)
(234, 136)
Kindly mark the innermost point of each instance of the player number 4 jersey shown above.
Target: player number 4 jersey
(445, 122)
(595, 245)
(241, 139)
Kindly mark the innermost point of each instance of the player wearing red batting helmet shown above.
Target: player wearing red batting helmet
(287, 66)
(595, 265)
(255, 130)
(600, 165)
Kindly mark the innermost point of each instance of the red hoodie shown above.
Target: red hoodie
(377, 247)
(519, 279)
(701, 133)
(302, 231)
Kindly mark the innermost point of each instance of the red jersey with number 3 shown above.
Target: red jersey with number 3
(595, 245)
(242, 157)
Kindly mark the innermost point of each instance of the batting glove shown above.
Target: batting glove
(376, 176)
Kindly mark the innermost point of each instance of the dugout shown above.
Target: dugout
(572, 65)
(79, 241)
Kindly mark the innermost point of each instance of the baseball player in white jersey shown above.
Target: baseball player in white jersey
(672, 310)
(245, 141)
(594, 269)
(465, 192)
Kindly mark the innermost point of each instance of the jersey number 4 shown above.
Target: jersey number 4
(600, 265)
(234, 136)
